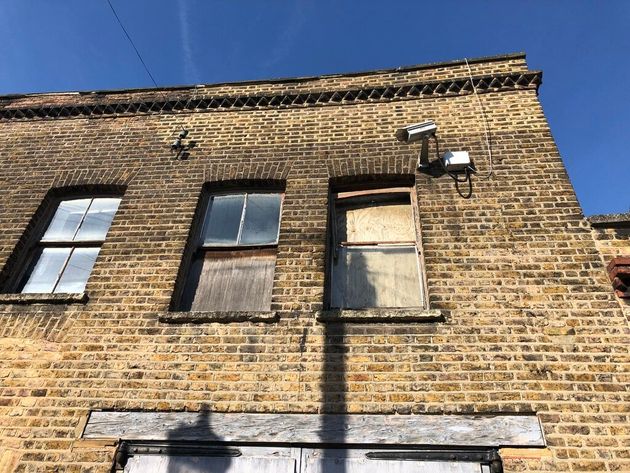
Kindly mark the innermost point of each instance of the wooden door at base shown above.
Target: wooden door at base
(294, 460)
(251, 460)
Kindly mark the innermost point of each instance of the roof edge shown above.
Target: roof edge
(105, 106)
(289, 80)
(610, 220)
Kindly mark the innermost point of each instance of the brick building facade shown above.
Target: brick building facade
(517, 326)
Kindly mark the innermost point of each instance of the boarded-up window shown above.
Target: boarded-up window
(306, 460)
(267, 461)
(375, 260)
(364, 461)
(233, 264)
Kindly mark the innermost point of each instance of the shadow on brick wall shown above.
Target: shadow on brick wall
(202, 428)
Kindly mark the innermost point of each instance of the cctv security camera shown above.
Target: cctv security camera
(416, 132)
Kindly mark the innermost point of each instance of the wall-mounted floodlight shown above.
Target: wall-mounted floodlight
(416, 132)
(179, 148)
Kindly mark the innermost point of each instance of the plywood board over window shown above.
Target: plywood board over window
(375, 258)
(235, 256)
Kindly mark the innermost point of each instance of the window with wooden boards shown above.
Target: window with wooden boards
(234, 257)
(375, 258)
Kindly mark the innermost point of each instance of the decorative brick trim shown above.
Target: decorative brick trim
(452, 87)
(248, 169)
(100, 179)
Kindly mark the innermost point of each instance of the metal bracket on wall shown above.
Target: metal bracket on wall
(129, 448)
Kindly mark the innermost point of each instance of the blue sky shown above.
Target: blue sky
(583, 47)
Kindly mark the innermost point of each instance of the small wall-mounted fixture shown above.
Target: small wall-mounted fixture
(456, 161)
(179, 148)
(416, 132)
(457, 164)
(619, 273)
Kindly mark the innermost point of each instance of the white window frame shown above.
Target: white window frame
(44, 243)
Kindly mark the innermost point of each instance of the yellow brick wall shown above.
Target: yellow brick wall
(531, 321)
(613, 241)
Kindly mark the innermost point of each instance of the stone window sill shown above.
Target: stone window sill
(45, 298)
(380, 315)
(217, 317)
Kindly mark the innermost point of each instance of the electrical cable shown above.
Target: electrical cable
(485, 122)
(132, 44)
(470, 189)
(146, 68)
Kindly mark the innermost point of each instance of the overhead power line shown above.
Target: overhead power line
(132, 44)
(144, 64)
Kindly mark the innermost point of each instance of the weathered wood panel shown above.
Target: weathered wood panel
(192, 464)
(286, 460)
(376, 277)
(375, 222)
(451, 430)
(360, 461)
(325, 464)
(235, 281)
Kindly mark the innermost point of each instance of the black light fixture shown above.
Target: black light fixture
(179, 148)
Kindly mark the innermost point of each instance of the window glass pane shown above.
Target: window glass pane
(223, 220)
(376, 277)
(262, 215)
(376, 220)
(98, 219)
(46, 270)
(78, 270)
(66, 219)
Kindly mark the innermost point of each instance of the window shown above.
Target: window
(374, 256)
(235, 254)
(63, 258)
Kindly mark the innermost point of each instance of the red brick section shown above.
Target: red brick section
(531, 323)
(612, 237)
(619, 274)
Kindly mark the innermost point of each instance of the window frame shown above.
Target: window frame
(337, 195)
(237, 247)
(36, 246)
(196, 247)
